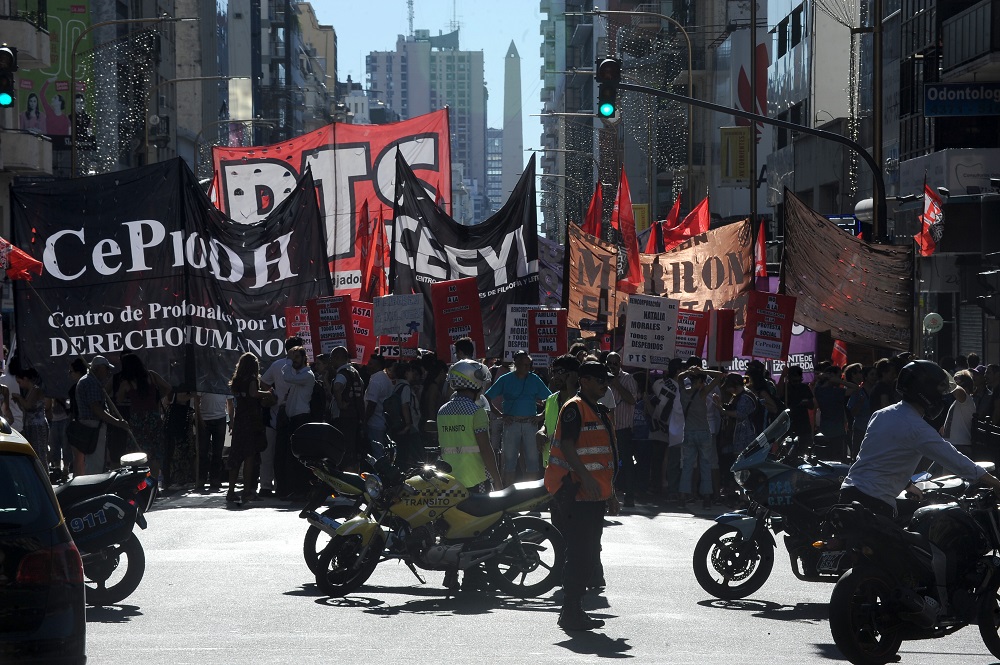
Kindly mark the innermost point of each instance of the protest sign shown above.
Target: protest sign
(722, 323)
(364, 338)
(516, 330)
(297, 325)
(547, 332)
(398, 314)
(650, 331)
(331, 320)
(692, 329)
(457, 314)
(768, 325)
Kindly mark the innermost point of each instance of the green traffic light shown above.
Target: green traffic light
(6, 100)
(607, 110)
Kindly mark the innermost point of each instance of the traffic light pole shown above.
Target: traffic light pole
(879, 213)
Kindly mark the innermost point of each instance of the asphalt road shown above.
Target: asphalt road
(230, 586)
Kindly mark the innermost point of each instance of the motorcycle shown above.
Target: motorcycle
(101, 511)
(426, 519)
(734, 558)
(937, 576)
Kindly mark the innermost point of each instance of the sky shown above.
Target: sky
(363, 26)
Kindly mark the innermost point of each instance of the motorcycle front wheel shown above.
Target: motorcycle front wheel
(862, 625)
(335, 575)
(989, 618)
(729, 566)
(532, 561)
(316, 539)
(109, 580)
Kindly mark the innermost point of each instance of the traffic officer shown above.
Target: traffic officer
(580, 476)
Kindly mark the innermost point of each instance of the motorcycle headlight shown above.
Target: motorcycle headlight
(373, 486)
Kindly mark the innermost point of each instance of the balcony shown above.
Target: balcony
(24, 25)
(971, 41)
(25, 152)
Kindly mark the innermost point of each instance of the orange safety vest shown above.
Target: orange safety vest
(595, 447)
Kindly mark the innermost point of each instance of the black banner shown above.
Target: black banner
(142, 261)
(501, 253)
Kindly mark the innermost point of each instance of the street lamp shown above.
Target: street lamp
(153, 89)
(165, 18)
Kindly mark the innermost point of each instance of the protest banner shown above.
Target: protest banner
(457, 314)
(351, 163)
(398, 314)
(364, 338)
(692, 330)
(139, 260)
(332, 321)
(650, 331)
(501, 252)
(297, 325)
(593, 296)
(516, 330)
(547, 332)
(768, 325)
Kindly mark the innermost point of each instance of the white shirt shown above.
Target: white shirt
(379, 387)
(960, 421)
(896, 439)
(272, 377)
(212, 406)
(674, 436)
(300, 388)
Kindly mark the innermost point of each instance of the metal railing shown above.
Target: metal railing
(35, 12)
(971, 34)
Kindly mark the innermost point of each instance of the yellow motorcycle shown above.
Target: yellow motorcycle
(428, 520)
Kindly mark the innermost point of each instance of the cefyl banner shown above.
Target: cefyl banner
(331, 319)
(457, 315)
(650, 332)
(350, 163)
(768, 329)
(140, 261)
(501, 253)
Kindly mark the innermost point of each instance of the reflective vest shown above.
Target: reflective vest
(594, 447)
(551, 412)
(456, 423)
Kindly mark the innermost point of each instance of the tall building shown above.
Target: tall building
(513, 147)
(427, 73)
(494, 168)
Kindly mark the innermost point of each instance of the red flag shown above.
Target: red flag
(363, 242)
(839, 356)
(623, 219)
(760, 253)
(932, 222)
(696, 223)
(592, 223)
(673, 219)
(654, 242)
(379, 259)
(18, 263)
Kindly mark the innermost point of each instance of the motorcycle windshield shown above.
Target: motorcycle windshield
(758, 450)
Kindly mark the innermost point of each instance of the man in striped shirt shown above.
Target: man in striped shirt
(625, 392)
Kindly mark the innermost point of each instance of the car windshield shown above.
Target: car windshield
(25, 502)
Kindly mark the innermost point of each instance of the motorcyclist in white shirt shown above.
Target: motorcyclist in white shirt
(898, 436)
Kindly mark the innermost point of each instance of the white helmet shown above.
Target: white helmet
(467, 374)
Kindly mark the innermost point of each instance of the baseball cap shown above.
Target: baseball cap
(101, 360)
(594, 371)
(521, 353)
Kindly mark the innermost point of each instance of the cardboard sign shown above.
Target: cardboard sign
(768, 330)
(398, 314)
(516, 332)
(457, 314)
(364, 338)
(297, 324)
(650, 331)
(692, 331)
(332, 324)
(547, 332)
(399, 347)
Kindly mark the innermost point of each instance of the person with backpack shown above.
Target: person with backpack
(292, 478)
(402, 414)
(349, 396)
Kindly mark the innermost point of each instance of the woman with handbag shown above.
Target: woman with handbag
(248, 436)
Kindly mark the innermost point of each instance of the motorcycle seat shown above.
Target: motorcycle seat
(480, 505)
(85, 487)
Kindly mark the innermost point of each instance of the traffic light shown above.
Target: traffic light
(8, 65)
(608, 75)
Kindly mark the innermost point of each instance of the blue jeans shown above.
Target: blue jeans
(519, 437)
(698, 450)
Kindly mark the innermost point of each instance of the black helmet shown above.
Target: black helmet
(923, 382)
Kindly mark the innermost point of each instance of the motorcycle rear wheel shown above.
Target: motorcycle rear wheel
(989, 618)
(532, 563)
(861, 625)
(729, 566)
(103, 587)
(335, 576)
(316, 540)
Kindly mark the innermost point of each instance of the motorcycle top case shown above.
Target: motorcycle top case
(429, 498)
(100, 522)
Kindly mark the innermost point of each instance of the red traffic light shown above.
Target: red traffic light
(609, 70)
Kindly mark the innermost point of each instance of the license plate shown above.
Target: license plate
(829, 562)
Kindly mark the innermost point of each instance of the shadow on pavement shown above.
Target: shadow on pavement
(596, 644)
(765, 609)
(112, 613)
(829, 652)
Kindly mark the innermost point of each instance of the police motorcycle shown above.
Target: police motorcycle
(734, 558)
(936, 576)
(426, 519)
(101, 511)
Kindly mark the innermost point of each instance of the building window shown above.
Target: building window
(783, 38)
(797, 26)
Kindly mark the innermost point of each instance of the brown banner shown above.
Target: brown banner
(858, 292)
(711, 271)
(592, 273)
